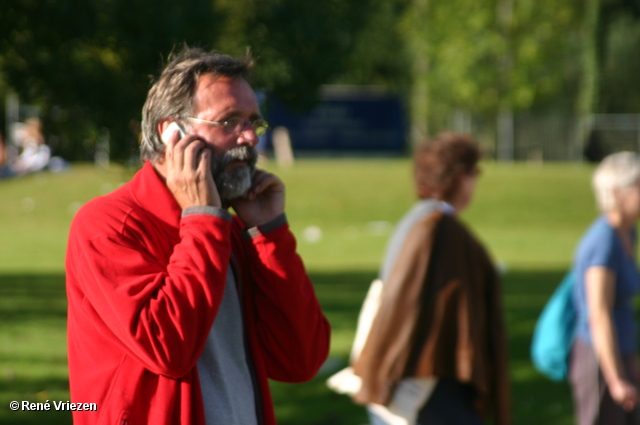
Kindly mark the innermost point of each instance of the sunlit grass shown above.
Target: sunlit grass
(342, 212)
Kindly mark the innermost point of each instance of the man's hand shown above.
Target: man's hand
(187, 169)
(263, 202)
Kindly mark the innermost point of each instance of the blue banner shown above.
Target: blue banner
(353, 120)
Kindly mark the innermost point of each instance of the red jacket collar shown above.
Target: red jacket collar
(151, 193)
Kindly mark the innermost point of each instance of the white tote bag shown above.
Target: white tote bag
(410, 393)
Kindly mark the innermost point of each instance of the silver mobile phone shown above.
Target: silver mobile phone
(172, 128)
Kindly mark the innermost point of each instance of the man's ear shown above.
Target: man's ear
(163, 124)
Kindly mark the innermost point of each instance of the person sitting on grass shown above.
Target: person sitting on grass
(34, 154)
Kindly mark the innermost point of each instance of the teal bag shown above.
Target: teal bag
(555, 331)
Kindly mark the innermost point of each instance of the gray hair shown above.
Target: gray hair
(617, 171)
(173, 93)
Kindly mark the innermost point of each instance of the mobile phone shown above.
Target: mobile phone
(175, 126)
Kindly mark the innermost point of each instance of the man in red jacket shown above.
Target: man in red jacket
(178, 310)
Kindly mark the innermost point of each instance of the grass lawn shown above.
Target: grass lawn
(342, 211)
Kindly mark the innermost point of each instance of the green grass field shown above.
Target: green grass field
(342, 211)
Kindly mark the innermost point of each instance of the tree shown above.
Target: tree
(299, 45)
(85, 61)
(616, 43)
(492, 57)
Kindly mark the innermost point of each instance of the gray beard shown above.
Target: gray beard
(235, 183)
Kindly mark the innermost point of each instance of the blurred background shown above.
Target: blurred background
(547, 87)
(534, 79)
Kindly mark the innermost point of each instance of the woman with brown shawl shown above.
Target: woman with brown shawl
(439, 330)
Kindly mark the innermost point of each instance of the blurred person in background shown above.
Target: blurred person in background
(604, 364)
(438, 337)
(179, 312)
(32, 152)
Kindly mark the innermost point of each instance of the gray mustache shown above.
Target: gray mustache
(240, 153)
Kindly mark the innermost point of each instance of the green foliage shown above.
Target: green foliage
(620, 90)
(85, 62)
(379, 55)
(479, 59)
(299, 45)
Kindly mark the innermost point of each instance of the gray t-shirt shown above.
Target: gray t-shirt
(225, 377)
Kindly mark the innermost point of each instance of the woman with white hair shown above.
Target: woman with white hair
(604, 370)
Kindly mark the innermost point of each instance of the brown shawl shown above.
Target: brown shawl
(441, 316)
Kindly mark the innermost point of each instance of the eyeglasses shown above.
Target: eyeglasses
(236, 125)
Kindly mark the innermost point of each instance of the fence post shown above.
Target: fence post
(505, 135)
(637, 122)
(12, 105)
(282, 146)
(102, 149)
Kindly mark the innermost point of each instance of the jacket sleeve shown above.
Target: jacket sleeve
(292, 332)
(160, 310)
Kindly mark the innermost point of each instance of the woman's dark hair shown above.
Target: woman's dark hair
(441, 161)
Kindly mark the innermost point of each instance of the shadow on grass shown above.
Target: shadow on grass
(38, 302)
(32, 297)
(32, 355)
(37, 390)
(535, 399)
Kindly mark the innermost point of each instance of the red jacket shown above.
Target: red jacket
(144, 286)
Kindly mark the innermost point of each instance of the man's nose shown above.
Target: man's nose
(248, 135)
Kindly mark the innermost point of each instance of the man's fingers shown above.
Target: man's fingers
(169, 138)
(204, 159)
(261, 182)
(204, 169)
(178, 151)
(204, 162)
(192, 155)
